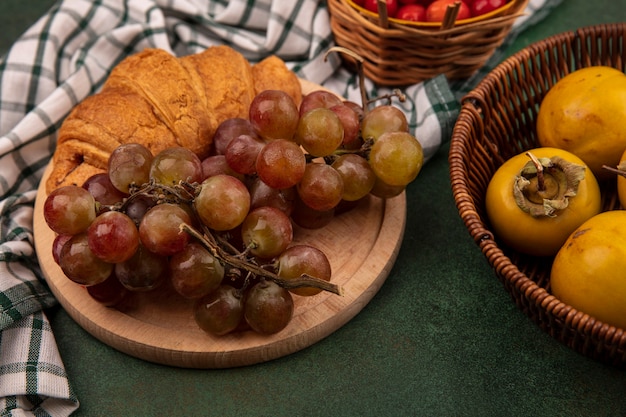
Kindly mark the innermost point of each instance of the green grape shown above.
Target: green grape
(396, 158)
(194, 272)
(319, 132)
(383, 119)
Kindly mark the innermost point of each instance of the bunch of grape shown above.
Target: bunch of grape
(219, 231)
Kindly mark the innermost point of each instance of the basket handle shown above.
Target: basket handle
(383, 14)
(475, 102)
(449, 18)
(481, 117)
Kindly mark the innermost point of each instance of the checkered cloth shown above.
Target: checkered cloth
(65, 56)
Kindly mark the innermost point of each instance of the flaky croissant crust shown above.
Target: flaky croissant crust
(160, 101)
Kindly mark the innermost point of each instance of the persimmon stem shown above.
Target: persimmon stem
(614, 170)
(541, 186)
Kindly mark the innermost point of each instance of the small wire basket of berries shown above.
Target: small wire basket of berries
(406, 42)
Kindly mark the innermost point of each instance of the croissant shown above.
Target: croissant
(160, 101)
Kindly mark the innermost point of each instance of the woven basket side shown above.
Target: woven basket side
(496, 122)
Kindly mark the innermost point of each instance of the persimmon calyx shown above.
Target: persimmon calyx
(544, 186)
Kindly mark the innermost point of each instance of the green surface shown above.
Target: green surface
(441, 338)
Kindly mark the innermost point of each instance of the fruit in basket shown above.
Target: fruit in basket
(620, 171)
(589, 272)
(621, 181)
(436, 11)
(584, 113)
(412, 13)
(481, 7)
(372, 6)
(537, 198)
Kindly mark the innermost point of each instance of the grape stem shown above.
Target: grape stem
(210, 243)
(365, 100)
(359, 68)
(219, 247)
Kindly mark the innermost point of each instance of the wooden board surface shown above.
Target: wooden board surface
(362, 246)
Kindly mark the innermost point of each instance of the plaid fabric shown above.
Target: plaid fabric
(65, 56)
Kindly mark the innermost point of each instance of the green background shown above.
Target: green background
(441, 338)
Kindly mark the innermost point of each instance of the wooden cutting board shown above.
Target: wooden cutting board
(362, 246)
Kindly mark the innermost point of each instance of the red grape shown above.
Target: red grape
(103, 190)
(228, 130)
(241, 153)
(216, 164)
(223, 202)
(262, 194)
(281, 164)
(109, 292)
(266, 232)
(221, 311)
(144, 271)
(79, 263)
(160, 232)
(268, 307)
(69, 210)
(321, 187)
(113, 237)
(357, 176)
(274, 115)
(173, 165)
(194, 272)
(318, 99)
(129, 164)
(304, 259)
